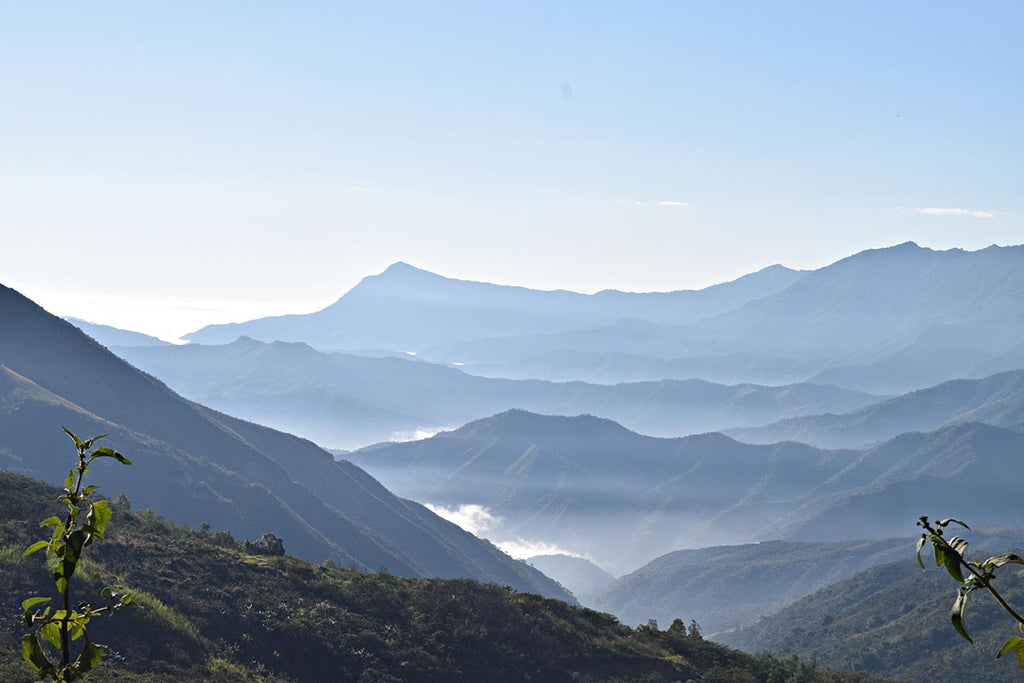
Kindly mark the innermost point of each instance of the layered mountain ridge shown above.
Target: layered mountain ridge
(196, 465)
(592, 487)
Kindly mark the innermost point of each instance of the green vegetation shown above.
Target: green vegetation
(86, 521)
(950, 554)
(892, 621)
(212, 611)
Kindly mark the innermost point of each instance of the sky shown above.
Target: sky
(169, 165)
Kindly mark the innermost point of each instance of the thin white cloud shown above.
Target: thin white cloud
(522, 549)
(473, 518)
(661, 203)
(948, 211)
(414, 434)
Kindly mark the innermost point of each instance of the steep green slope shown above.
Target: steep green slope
(727, 587)
(210, 611)
(893, 621)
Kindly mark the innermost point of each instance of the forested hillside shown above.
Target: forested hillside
(209, 610)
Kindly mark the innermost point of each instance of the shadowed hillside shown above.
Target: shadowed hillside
(209, 611)
(196, 465)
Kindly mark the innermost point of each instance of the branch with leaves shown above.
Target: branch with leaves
(949, 553)
(85, 521)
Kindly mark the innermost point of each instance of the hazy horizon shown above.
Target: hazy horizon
(169, 166)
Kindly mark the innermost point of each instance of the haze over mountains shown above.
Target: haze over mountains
(850, 400)
(346, 401)
(594, 488)
(997, 400)
(409, 309)
(196, 465)
(882, 321)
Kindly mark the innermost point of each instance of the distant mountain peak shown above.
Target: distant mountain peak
(521, 422)
(405, 270)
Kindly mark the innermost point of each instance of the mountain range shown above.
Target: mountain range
(997, 400)
(346, 401)
(196, 465)
(884, 321)
(409, 309)
(114, 336)
(590, 486)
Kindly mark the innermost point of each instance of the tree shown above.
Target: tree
(950, 554)
(85, 521)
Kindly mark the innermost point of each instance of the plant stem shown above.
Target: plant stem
(65, 645)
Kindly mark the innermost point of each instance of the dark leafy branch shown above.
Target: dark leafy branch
(949, 553)
(85, 521)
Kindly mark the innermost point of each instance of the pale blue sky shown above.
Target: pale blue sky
(167, 165)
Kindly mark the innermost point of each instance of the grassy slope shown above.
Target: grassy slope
(209, 611)
(893, 621)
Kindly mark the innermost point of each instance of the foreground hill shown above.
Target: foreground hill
(196, 465)
(346, 401)
(407, 309)
(996, 400)
(893, 621)
(592, 487)
(210, 611)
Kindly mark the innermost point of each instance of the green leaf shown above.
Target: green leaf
(956, 614)
(89, 489)
(90, 656)
(958, 544)
(98, 516)
(997, 561)
(35, 547)
(1016, 645)
(951, 558)
(70, 481)
(32, 602)
(78, 442)
(50, 521)
(51, 631)
(33, 653)
(950, 520)
(920, 547)
(78, 631)
(940, 555)
(104, 452)
(74, 551)
(88, 444)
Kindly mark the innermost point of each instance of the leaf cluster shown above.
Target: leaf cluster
(85, 521)
(950, 553)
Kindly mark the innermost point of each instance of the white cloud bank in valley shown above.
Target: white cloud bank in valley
(473, 518)
(477, 519)
(522, 549)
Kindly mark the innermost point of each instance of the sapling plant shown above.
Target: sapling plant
(85, 521)
(972, 575)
